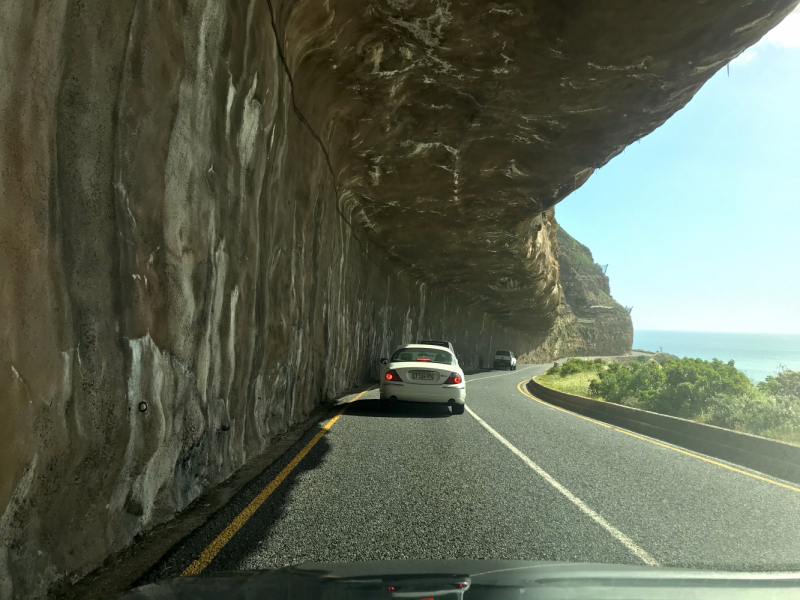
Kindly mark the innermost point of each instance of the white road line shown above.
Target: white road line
(501, 374)
(624, 539)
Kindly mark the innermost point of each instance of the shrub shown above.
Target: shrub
(645, 383)
(712, 392)
(756, 412)
(785, 383)
(612, 384)
(634, 384)
(691, 383)
(680, 387)
(742, 412)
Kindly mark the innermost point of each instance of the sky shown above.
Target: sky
(699, 222)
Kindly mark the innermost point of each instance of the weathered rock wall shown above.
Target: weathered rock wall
(170, 235)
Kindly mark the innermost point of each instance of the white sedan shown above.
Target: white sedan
(423, 373)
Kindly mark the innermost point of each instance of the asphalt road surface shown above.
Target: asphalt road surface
(512, 478)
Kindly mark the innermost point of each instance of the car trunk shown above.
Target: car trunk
(424, 373)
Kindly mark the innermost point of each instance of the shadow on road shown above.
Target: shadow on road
(476, 371)
(398, 410)
(257, 529)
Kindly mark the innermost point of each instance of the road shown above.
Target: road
(512, 478)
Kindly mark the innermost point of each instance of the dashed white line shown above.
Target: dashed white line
(616, 533)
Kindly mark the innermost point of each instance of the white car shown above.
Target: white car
(505, 359)
(423, 373)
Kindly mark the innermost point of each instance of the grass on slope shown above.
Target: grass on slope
(577, 383)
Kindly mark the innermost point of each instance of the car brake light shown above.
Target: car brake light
(453, 379)
(425, 359)
(392, 376)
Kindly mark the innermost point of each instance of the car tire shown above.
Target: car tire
(458, 409)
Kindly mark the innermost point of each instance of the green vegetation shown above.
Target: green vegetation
(786, 383)
(574, 376)
(577, 384)
(712, 392)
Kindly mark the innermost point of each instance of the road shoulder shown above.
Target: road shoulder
(120, 571)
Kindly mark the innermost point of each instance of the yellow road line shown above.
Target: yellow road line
(693, 455)
(548, 405)
(708, 460)
(207, 555)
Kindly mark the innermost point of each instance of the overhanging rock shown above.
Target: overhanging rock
(451, 126)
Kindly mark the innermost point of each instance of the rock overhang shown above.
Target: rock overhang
(452, 127)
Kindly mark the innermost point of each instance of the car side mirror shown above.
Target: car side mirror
(384, 361)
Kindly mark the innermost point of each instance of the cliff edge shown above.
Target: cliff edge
(592, 322)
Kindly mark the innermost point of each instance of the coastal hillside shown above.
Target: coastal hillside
(592, 322)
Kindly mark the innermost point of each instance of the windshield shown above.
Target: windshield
(423, 355)
(503, 353)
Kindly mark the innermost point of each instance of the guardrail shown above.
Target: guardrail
(760, 454)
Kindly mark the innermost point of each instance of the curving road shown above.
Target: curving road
(513, 478)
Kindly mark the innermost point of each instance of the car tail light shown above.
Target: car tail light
(392, 376)
(453, 379)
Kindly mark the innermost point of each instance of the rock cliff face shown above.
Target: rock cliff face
(214, 215)
(594, 324)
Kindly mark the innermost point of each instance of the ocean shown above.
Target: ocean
(756, 354)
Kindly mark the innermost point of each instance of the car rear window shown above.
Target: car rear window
(423, 355)
(434, 343)
(503, 353)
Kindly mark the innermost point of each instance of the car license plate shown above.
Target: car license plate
(424, 375)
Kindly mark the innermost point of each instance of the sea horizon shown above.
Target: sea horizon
(720, 332)
(758, 355)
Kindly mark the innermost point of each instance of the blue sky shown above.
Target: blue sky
(700, 221)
